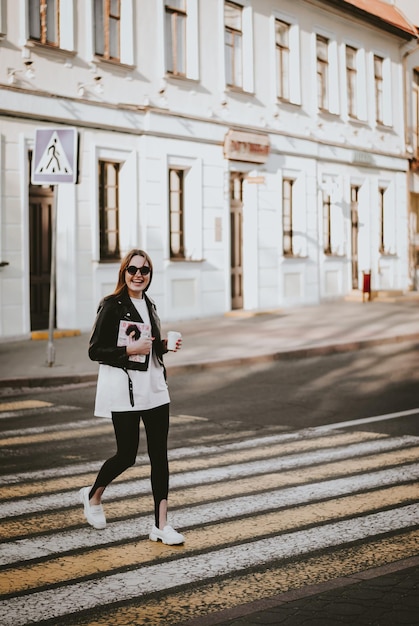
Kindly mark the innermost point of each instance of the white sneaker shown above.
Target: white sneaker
(168, 535)
(92, 512)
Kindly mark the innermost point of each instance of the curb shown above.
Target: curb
(295, 353)
(42, 335)
(22, 382)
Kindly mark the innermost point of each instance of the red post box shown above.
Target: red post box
(366, 285)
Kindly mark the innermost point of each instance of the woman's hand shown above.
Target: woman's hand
(143, 345)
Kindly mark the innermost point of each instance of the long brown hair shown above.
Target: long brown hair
(121, 284)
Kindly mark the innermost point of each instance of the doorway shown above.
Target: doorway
(354, 236)
(40, 236)
(236, 235)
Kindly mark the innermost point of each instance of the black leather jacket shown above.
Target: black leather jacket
(103, 340)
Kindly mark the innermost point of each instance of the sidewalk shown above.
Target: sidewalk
(235, 338)
(383, 596)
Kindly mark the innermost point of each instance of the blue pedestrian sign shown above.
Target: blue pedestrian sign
(55, 156)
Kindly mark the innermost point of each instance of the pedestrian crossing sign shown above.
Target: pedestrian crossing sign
(55, 156)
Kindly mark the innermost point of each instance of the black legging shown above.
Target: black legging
(127, 433)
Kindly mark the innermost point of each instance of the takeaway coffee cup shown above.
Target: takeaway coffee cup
(172, 337)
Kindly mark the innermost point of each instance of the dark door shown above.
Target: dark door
(236, 233)
(40, 231)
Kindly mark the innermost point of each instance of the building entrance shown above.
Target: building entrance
(40, 235)
(236, 235)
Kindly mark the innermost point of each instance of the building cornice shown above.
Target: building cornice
(47, 109)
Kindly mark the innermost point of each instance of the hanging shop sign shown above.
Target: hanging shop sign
(243, 146)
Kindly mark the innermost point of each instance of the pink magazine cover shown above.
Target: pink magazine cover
(132, 331)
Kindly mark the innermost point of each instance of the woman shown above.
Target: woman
(127, 342)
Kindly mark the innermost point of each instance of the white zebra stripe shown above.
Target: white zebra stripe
(216, 474)
(37, 547)
(136, 583)
(38, 411)
(177, 453)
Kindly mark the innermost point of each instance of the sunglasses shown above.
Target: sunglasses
(133, 269)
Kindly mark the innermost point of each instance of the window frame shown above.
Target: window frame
(108, 19)
(322, 73)
(3, 25)
(387, 219)
(283, 57)
(379, 89)
(294, 65)
(287, 216)
(351, 82)
(44, 27)
(327, 223)
(415, 112)
(235, 35)
(175, 14)
(104, 254)
(381, 218)
(179, 232)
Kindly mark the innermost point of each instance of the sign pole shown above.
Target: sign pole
(54, 161)
(52, 289)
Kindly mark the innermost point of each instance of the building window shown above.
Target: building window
(381, 192)
(379, 92)
(109, 210)
(387, 221)
(44, 20)
(351, 81)
(176, 37)
(233, 43)
(354, 235)
(2, 19)
(282, 50)
(322, 73)
(287, 209)
(176, 213)
(327, 224)
(333, 219)
(107, 29)
(415, 113)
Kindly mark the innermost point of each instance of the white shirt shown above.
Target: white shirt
(149, 387)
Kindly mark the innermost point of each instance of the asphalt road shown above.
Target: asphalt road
(285, 476)
(309, 392)
(272, 397)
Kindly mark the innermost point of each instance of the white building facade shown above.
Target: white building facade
(255, 149)
(411, 76)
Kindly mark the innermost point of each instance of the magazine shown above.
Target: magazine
(132, 331)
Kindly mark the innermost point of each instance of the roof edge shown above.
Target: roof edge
(407, 32)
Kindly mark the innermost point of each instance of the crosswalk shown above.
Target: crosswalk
(261, 515)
